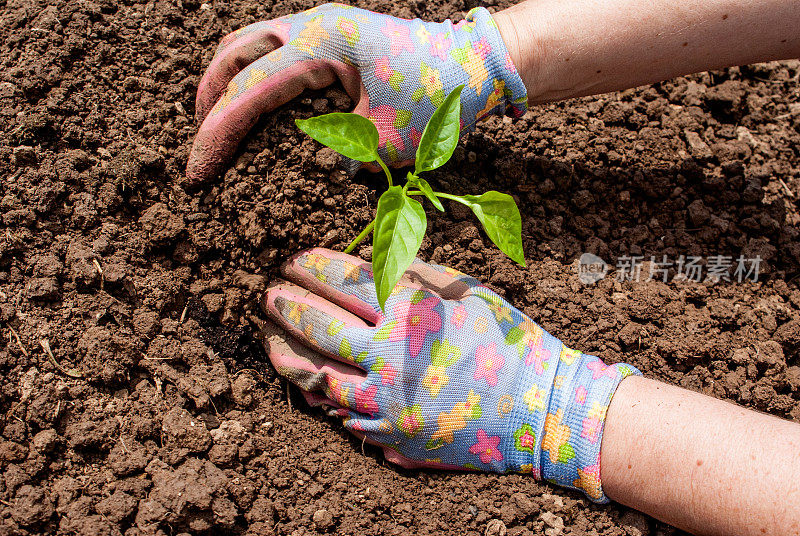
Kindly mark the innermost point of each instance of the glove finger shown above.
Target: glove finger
(340, 278)
(392, 456)
(476, 289)
(316, 400)
(262, 86)
(448, 283)
(320, 324)
(348, 281)
(316, 373)
(455, 275)
(236, 51)
(363, 429)
(321, 380)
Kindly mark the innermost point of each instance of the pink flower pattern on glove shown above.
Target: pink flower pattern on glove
(486, 448)
(415, 321)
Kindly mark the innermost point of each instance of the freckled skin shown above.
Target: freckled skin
(733, 486)
(565, 49)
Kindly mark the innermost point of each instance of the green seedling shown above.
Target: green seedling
(400, 222)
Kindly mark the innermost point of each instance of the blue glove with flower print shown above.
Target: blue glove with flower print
(397, 71)
(451, 376)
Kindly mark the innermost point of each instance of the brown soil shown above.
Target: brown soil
(148, 292)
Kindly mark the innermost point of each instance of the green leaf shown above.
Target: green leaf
(434, 444)
(444, 354)
(476, 412)
(426, 189)
(352, 135)
(400, 225)
(418, 94)
(393, 154)
(345, 350)
(440, 137)
(460, 54)
(377, 366)
(500, 217)
(514, 335)
(437, 97)
(396, 79)
(334, 327)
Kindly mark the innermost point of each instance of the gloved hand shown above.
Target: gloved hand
(453, 376)
(397, 71)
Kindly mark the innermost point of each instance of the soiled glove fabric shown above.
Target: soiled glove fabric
(397, 70)
(451, 376)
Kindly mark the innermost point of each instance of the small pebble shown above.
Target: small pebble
(495, 527)
(323, 519)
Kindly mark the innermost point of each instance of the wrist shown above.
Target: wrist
(583, 388)
(525, 49)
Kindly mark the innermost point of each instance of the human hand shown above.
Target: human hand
(396, 70)
(451, 376)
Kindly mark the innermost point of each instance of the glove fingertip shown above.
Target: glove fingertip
(350, 166)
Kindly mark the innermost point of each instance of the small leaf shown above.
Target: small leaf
(434, 444)
(476, 412)
(418, 94)
(514, 335)
(426, 189)
(334, 327)
(565, 453)
(440, 137)
(345, 350)
(352, 135)
(377, 366)
(437, 97)
(460, 54)
(400, 225)
(500, 217)
(394, 156)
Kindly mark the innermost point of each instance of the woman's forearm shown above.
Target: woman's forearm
(701, 464)
(572, 48)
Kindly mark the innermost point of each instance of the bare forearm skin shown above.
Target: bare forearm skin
(573, 48)
(701, 464)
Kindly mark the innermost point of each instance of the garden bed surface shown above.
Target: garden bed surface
(149, 293)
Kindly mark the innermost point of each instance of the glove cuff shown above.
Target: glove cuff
(505, 93)
(556, 433)
(573, 427)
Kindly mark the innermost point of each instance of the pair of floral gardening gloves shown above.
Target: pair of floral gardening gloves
(397, 71)
(450, 376)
